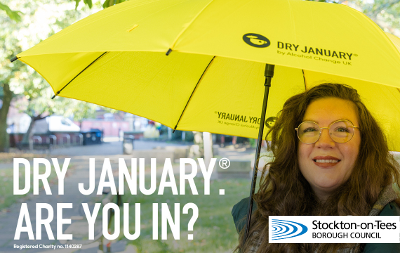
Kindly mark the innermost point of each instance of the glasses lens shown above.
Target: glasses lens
(341, 131)
(308, 132)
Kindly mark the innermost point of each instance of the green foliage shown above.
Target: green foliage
(86, 2)
(386, 13)
(253, 143)
(86, 110)
(14, 15)
(20, 36)
(177, 136)
(108, 3)
(39, 20)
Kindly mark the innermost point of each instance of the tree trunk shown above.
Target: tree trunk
(27, 139)
(4, 138)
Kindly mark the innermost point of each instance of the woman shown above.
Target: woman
(341, 166)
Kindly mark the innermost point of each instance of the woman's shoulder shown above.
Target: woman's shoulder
(239, 213)
(390, 209)
(386, 201)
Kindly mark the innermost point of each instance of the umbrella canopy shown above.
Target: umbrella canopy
(199, 65)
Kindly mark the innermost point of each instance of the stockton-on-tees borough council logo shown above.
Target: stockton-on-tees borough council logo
(256, 40)
(284, 229)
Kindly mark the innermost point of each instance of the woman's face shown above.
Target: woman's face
(327, 164)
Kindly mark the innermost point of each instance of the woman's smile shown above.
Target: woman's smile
(325, 161)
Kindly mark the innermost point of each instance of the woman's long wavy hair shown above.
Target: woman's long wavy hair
(284, 190)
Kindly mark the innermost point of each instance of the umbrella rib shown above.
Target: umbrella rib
(14, 59)
(58, 92)
(201, 77)
(304, 79)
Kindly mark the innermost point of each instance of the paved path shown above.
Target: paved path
(80, 161)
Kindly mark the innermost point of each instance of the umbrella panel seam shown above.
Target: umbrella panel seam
(201, 77)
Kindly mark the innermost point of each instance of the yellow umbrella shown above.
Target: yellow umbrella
(199, 65)
(217, 52)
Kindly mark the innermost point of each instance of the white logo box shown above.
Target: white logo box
(334, 229)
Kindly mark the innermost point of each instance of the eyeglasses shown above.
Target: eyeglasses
(340, 131)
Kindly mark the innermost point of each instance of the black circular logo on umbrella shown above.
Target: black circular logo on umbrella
(256, 40)
(270, 122)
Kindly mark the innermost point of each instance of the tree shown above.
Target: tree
(38, 104)
(17, 78)
(38, 20)
(8, 72)
(85, 111)
(16, 15)
(385, 13)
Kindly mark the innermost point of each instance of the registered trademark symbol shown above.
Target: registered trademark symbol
(355, 54)
(224, 163)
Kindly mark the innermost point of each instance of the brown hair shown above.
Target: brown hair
(284, 190)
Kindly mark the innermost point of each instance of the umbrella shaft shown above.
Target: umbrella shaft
(269, 73)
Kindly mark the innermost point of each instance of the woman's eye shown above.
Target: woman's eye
(309, 130)
(342, 130)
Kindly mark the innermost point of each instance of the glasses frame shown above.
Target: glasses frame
(328, 127)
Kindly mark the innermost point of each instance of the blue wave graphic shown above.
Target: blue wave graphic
(284, 229)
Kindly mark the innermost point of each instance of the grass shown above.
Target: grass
(8, 157)
(213, 231)
(7, 198)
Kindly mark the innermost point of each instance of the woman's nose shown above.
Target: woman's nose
(325, 140)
